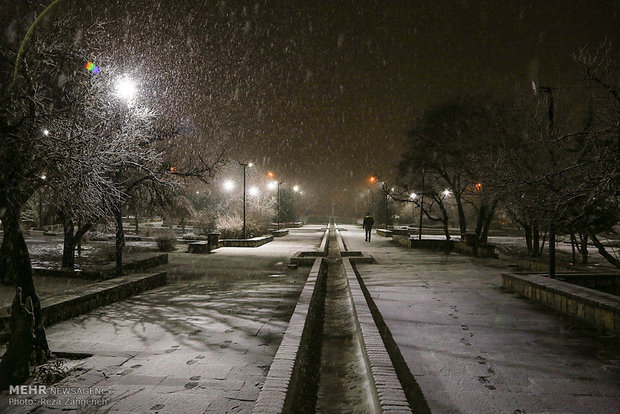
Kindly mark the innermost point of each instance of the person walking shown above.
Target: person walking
(367, 224)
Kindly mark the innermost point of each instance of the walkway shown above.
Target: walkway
(474, 348)
(202, 344)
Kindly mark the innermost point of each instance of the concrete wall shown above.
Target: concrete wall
(598, 309)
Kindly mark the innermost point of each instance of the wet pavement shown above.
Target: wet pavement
(202, 344)
(474, 348)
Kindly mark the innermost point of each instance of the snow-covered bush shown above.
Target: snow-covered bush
(166, 242)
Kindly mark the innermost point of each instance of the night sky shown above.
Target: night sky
(323, 92)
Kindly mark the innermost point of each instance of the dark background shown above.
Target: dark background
(323, 92)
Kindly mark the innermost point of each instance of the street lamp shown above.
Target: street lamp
(244, 165)
(228, 185)
(43, 177)
(125, 88)
(297, 190)
(549, 91)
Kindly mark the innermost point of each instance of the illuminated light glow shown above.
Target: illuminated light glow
(254, 191)
(228, 185)
(91, 67)
(250, 164)
(43, 177)
(197, 192)
(272, 185)
(372, 179)
(413, 196)
(173, 169)
(125, 88)
(446, 192)
(270, 174)
(296, 188)
(478, 186)
(46, 132)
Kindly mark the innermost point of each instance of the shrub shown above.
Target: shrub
(166, 242)
(96, 236)
(231, 227)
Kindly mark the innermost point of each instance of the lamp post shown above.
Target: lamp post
(421, 207)
(244, 165)
(296, 191)
(43, 177)
(125, 90)
(549, 91)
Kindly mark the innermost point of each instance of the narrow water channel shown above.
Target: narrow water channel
(344, 381)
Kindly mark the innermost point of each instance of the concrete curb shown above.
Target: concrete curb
(298, 355)
(389, 391)
(599, 309)
(412, 390)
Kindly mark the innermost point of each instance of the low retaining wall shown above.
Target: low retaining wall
(108, 271)
(253, 242)
(599, 309)
(292, 381)
(487, 250)
(279, 233)
(384, 232)
(80, 300)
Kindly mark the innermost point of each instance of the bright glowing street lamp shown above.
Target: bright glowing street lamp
(254, 191)
(125, 88)
(228, 185)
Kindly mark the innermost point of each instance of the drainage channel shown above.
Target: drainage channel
(332, 358)
(344, 381)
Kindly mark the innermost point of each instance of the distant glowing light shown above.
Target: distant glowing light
(372, 179)
(478, 186)
(270, 174)
(413, 196)
(46, 132)
(296, 188)
(125, 88)
(250, 164)
(173, 169)
(228, 185)
(43, 177)
(446, 192)
(91, 67)
(272, 185)
(254, 191)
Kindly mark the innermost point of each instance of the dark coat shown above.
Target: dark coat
(368, 222)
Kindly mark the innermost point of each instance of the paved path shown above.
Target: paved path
(203, 344)
(474, 348)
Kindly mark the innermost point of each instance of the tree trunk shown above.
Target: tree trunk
(68, 248)
(71, 240)
(17, 267)
(444, 220)
(462, 219)
(601, 249)
(527, 229)
(584, 248)
(536, 249)
(120, 238)
(573, 242)
(486, 225)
